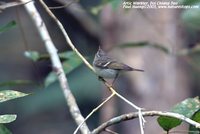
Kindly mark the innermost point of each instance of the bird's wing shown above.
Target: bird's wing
(119, 66)
(110, 64)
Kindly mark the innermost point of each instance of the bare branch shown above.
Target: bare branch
(134, 115)
(40, 25)
(4, 5)
(65, 5)
(110, 131)
(93, 111)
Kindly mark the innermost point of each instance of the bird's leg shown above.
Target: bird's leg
(115, 79)
(101, 78)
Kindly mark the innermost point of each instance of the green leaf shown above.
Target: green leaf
(15, 83)
(33, 55)
(193, 129)
(8, 26)
(187, 108)
(66, 55)
(7, 118)
(188, 2)
(68, 65)
(95, 10)
(168, 123)
(145, 44)
(191, 17)
(6, 95)
(51, 78)
(71, 64)
(4, 130)
(114, 3)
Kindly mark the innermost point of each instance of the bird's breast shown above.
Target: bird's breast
(106, 73)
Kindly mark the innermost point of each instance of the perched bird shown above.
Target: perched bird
(107, 67)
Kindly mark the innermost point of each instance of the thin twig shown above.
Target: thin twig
(42, 30)
(93, 111)
(184, 132)
(5, 5)
(110, 131)
(134, 115)
(65, 5)
(141, 119)
(68, 40)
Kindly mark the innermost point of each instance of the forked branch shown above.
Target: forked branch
(134, 115)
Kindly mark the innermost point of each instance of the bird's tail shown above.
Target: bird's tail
(138, 70)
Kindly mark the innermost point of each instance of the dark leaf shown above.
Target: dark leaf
(66, 55)
(15, 83)
(35, 56)
(191, 17)
(4, 130)
(192, 129)
(187, 108)
(188, 2)
(8, 26)
(115, 4)
(51, 78)
(69, 65)
(168, 123)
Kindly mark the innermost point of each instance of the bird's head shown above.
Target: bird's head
(100, 53)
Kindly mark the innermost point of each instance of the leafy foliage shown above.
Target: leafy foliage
(192, 129)
(191, 17)
(33, 55)
(68, 65)
(6, 95)
(168, 123)
(187, 108)
(71, 61)
(7, 27)
(36, 56)
(7, 118)
(15, 83)
(188, 2)
(4, 130)
(114, 3)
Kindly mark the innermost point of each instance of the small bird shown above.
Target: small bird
(107, 67)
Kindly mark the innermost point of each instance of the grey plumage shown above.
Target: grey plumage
(107, 67)
(103, 61)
